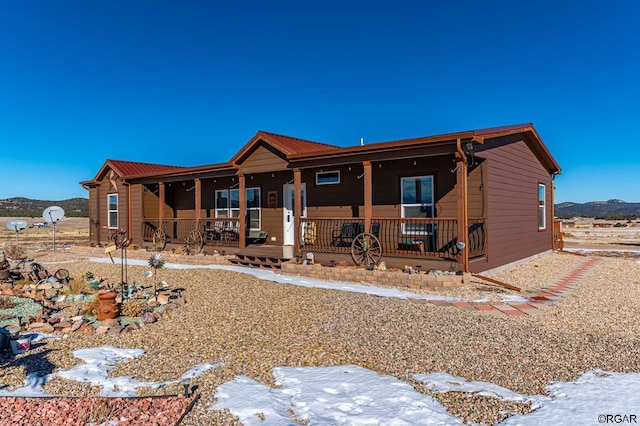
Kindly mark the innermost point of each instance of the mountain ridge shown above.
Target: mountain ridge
(79, 207)
(609, 209)
(27, 207)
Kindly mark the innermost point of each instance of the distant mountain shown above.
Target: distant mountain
(25, 207)
(610, 209)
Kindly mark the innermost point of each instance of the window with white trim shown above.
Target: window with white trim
(416, 201)
(227, 204)
(542, 206)
(331, 177)
(253, 208)
(112, 211)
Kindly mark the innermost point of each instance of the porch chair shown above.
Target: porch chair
(344, 237)
(261, 237)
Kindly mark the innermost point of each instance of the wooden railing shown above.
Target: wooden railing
(411, 237)
(222, 231)
(558, 240)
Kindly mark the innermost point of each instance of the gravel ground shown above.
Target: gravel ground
(255, 326)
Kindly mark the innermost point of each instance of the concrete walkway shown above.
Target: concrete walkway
(537, 301)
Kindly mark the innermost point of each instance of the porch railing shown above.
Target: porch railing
(222, 232)
(411, 237)
(558, 240)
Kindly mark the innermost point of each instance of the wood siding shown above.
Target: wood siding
(135, 232)
(264, 159)
(512, 176)
(94, 215)
(103, 190)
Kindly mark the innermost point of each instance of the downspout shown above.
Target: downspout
(129, 209)
(463, 203)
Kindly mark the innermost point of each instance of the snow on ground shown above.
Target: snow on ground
(353, 395)
(95, 370)
(269, 275)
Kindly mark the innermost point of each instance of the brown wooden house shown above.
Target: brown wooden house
(481, 198)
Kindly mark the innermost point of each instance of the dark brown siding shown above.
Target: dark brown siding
(512, 176)
(103, 191)
(94, 215)
(347, 198)
(136, 213)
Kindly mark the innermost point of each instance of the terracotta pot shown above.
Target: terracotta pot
(107, 306)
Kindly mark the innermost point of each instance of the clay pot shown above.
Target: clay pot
(107, 307)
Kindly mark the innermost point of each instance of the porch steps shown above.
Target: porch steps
(258, 260)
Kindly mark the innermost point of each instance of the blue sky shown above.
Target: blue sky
(190, 82)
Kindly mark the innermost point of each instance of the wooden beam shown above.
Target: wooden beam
(297, 209)
(198, 196)
(243, 212)
(160, 203)
(368, 195)
(496, 282)
(462, 206)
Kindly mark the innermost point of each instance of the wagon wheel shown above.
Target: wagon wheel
(195, 241)
(61, 274)
(366, 249)
(159, 239)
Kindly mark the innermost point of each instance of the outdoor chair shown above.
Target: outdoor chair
(344, 237)
(261, 237)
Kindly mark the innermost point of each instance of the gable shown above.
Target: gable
(263, 158)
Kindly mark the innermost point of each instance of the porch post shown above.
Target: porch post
(462, 206)
(198, 203)
(160, 203)
(297, 209)
(368, 195)
(129, 210)
(243, 212)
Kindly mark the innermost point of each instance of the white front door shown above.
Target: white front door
(289, 194)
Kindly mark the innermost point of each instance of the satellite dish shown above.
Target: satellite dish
(53, 214)
(16, 225)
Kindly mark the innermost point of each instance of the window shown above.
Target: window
(328, 178)
(417, 201)
(253, 208)
(112, 210)
(228, 205)
(222, 203)
(542, 210)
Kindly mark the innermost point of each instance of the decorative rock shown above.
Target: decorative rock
(110, 322)
(42, 327)
(77, 324)
(115, 330)
(163, 299)
(152, 303)
(149, 318)
(87, 329)
(102, 329)
(133, 326)
(62, 325)
(44, 286)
